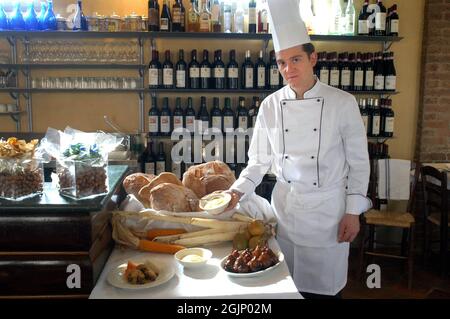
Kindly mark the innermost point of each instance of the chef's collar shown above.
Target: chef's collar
(311, 93)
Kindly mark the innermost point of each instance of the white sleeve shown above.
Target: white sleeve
(260, 158)
(357, 157)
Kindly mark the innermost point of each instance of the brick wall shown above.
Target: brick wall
(433, 138)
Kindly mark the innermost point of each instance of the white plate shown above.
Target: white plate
(252, 274)
(115, 276)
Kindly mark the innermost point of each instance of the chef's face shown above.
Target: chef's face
(296, 66)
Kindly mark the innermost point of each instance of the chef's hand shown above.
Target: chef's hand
(348, 228)
(235, 198)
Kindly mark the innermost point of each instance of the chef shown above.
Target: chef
(313, 139)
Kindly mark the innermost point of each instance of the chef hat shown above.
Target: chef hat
(288, 28)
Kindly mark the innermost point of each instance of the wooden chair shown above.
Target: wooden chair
(389, 218)
(435, 196)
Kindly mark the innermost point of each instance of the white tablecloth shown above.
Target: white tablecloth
(209, 281)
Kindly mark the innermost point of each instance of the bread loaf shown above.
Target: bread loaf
(206, 178)
(173, 198)
(134, 182)
(165, 177)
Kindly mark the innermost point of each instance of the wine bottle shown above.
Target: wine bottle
(193, 23)
(358, 83)
(252, 16)
(394, 22)
(364, 113)
(232, 72)
(227, 19)
(215, 16)
(242, 115)
(260, 72)
(167, 69)
(153, 15)
(181, 74)
(253, 111)
(247, 72)
(390, 83)
(369, 73)
(363, 19)
(379, 72)
(194, 71)
(205, 71)
(205, 18)
(345, 81)
(79, 20)
(228, 116)
(178, 116)
(216, 115)
(389, 118)
(218, 71)
(155, 71)
(376, 118)
(30, 19)
(239, 18)
(263, 19)
(203, 116)
(177, 167)
(369, 109)
(176, 16)
(154, 118)
(161, 160)
(324, 71)
(380, 19)
(166, 118)
(183, 17)
(165, 23)
(190, 117)
(149, 159)
(349, 20)
(272, 72)
(334, 71)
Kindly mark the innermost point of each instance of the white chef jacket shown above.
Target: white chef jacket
(317, 148)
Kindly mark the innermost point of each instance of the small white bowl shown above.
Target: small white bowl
(217, 209)
(205, 255)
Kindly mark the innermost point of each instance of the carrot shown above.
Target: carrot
(155, 247)
(152, 233)
(130, 266)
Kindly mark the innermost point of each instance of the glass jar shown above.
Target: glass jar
(92, 23)
(133, 22)
(102, 23)
(61, 23)
(114, 23)
(144, 24)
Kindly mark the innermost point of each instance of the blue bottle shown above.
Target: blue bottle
(16, 21)
(79, 20)
(49, 18)
(40, 18)
(31, 21)
(3, 19)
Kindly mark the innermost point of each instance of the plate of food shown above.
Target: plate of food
(140, 274)
(251, 262)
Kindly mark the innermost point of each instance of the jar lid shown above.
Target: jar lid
(114, 16)
(60, 18)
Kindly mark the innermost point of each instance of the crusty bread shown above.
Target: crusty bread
(206, 178)
(165, 177)
(134, 182)
(173, 198)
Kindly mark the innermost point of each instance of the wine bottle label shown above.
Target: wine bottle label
(233, 73)
(390, 82)
(192, 17)
(153, 124)
(261, 76)
(324, 76)
(334, 77)
(217, 122)
(389, 125)
(228, 123)
(369, 79)
(365, 119)
(394, 26)
(165, 124)
(379, 82)
(176, 12)
(153, 77)
(190, 124)
(248, 78)
(160, 167)
(380, 21)
(181, 79)
(176, 169)
(150, 168)
(177, 121)
(219, 73)
(359, 78)
(205, 72)
(363, 27)
(376, 125)
(153, 17)
(205, 126)
(164, 24)
(168, 77)
(274, 77)
(252, 15)
(243, 122)
(345, 78)
(194, 72)
(204, 24)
